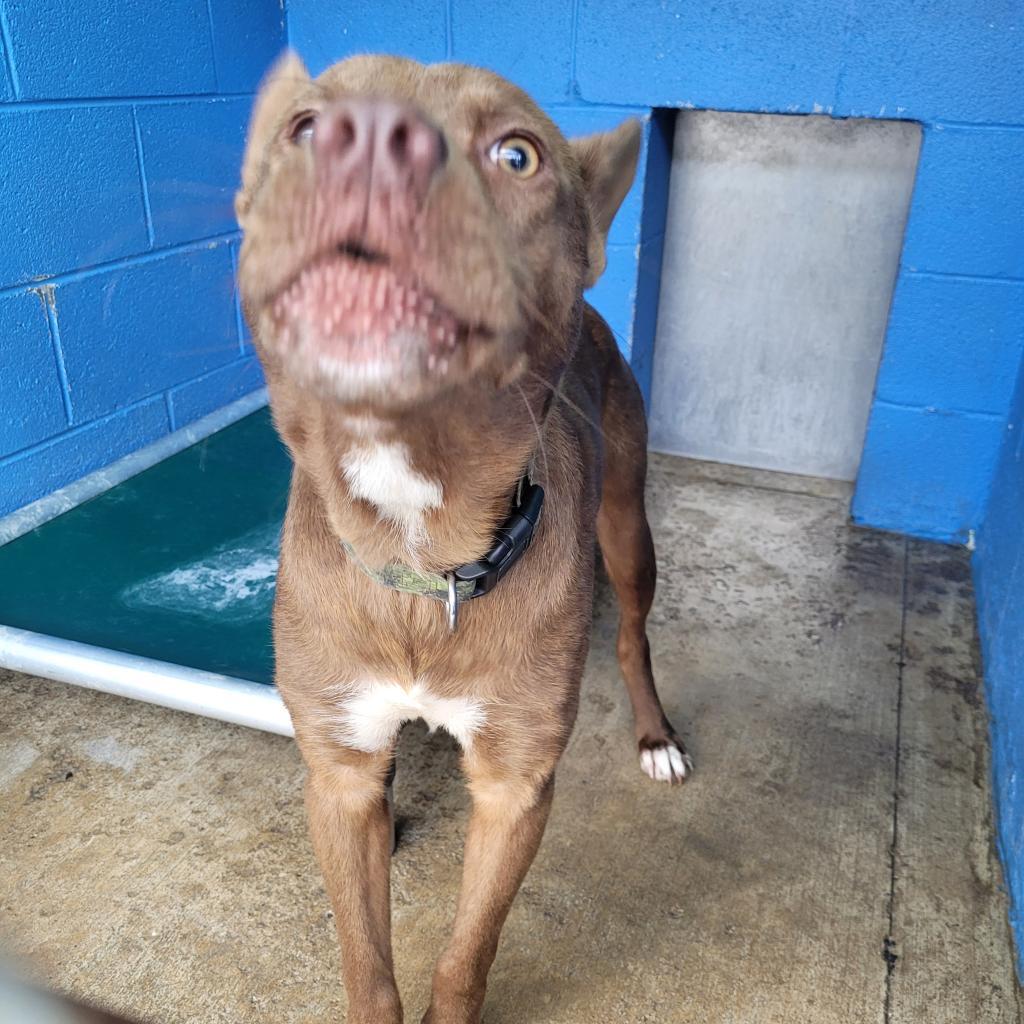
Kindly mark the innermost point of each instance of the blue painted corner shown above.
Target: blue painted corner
(999, 581)
(655, 171)
(247, 38)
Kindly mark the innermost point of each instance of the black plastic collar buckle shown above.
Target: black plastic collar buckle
(512, 539)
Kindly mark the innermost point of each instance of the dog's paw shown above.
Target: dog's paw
(666, 762)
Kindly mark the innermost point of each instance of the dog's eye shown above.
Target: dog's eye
(516, 156)
(302, 128)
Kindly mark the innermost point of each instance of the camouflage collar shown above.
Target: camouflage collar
(474, 579)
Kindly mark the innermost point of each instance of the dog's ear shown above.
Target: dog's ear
(282, 82)
(608, 163)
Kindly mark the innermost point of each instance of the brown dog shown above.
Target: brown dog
(417, 242)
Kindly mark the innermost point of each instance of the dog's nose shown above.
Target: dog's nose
(393, 144)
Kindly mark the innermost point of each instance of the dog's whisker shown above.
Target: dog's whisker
(538, 430)
(559, 395)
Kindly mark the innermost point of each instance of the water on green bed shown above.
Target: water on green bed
(177, 563)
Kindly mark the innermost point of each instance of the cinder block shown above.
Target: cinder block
(1002, 537)
(324, 31)
(1005, 698)
(32, 407)
(6, 87)
(71, 191)
(192, 152)
(999, 563)
(200, 397)
(733, 55)
(111, 48)
(999, 582)
(141, 329)
(31, 474)
(952, 343)
(614, 295)
(925, 472)
(247, 36)
(925, 60)
(584, 120)
(529, 42)
(967, 215)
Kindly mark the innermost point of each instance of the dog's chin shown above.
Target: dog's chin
(356, 370)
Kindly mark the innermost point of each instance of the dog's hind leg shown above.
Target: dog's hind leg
(628, 552)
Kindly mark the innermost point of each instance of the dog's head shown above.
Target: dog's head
(409, 229)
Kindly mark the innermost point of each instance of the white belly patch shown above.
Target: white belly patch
(370, 718)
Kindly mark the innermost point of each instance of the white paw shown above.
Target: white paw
(666, 763)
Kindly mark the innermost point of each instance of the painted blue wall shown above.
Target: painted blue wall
(121, 131)
(999, 582)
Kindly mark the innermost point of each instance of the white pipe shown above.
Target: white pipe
(52, 505)
(156, 682)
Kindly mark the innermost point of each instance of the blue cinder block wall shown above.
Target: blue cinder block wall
(121, 131)
(999, 582)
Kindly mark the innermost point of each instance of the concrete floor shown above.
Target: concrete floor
(830, 862)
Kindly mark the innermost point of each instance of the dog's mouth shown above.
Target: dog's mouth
(352, 308)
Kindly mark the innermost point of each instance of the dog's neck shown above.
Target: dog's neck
(426, 487)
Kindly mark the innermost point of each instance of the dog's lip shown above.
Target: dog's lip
(357, 253)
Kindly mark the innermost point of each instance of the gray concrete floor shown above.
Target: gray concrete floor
(831, 861)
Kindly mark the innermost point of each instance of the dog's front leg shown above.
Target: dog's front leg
(350, 825)
(505, 829)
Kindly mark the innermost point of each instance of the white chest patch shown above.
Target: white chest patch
(369, 719)
(383, 475)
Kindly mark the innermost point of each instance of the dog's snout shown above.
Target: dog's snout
(413, 142)
(393, 144)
